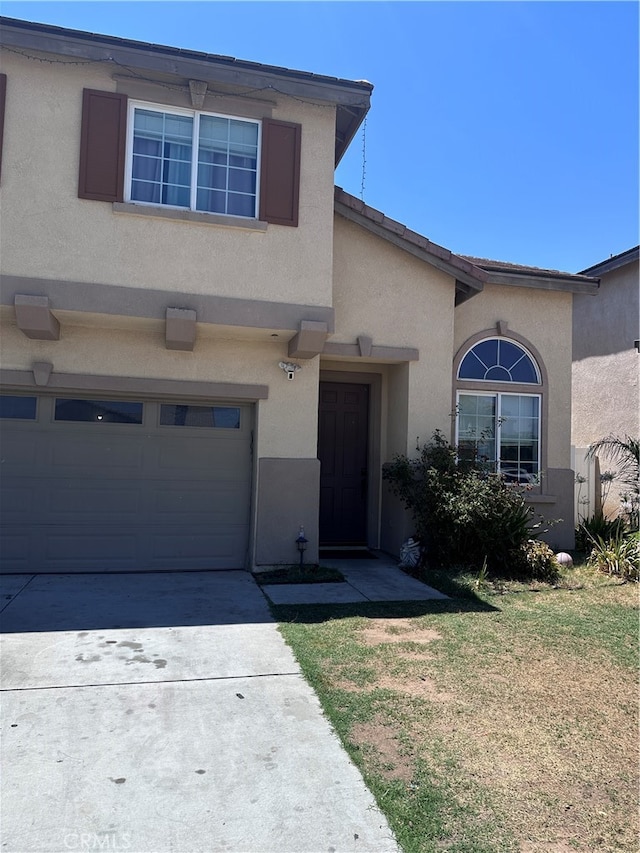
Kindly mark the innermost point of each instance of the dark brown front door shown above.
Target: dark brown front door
(342, 450)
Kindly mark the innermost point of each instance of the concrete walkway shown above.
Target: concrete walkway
(164, 712)
(378, 579)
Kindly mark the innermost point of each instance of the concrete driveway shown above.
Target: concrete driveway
(164, 712)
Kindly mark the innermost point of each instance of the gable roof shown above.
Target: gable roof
(351, 97)
(614, 262)
(471, 274)
(470, 279)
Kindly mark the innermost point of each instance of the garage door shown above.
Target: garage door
(111, 485)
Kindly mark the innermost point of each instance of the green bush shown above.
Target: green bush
(463, 514)
(619, 556)
(536, 561)
(598, 526)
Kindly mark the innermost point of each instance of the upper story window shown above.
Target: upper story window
(188, 160)
(198, 161)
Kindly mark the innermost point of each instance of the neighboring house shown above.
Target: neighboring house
(205, 345)
(606, 394)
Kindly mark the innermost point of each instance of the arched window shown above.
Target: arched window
(499, 425)
(497, 360)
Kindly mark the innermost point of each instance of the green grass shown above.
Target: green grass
(502, 719)
(299, 574)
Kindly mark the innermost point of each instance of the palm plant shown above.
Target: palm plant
(625, 454)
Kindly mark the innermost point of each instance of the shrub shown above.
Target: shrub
(463, 514)
(598, 526)
(536, 560)
(618, 556)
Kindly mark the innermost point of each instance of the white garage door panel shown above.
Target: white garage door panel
(87, 496)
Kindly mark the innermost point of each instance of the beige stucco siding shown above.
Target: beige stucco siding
(606, 364)
(287, 420)
(606, 370)
(384, 293)
(53, 234)
(543, 318)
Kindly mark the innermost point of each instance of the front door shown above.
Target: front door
(342, 449)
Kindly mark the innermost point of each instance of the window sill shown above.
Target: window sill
(532, 497)
(189, 216)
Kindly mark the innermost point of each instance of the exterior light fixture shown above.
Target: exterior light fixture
(301, 544)
(290, 368)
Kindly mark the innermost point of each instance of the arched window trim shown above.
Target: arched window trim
(525, 354)
(518, 388)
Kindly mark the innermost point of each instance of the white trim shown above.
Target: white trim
(514, 343)
(497, 395)
(165, 109)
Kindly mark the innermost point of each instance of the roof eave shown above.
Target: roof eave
(351, 98)
(409, 241)
(571, 284)
(614, 263)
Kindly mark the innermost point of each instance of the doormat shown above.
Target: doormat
(338, 554)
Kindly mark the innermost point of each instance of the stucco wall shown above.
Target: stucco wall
(386, 294)
(50, 233)
(544, 319)
(605, 361)
(287, 419)
(606, 366)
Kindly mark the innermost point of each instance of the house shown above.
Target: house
(206, 345)
(606, 395)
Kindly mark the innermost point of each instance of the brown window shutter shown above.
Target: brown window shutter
(280, 172)
(3, 97)
(102, 145)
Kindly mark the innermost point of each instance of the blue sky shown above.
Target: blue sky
(506, 130)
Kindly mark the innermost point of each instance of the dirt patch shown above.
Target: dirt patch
(380, 631)
(548, 847)
(558, 735)
(419, 686)
(415, 685)
(376, 737)
(547, 733)
(412, 656)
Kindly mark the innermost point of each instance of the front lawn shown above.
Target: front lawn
(299, 574)
(497, 721)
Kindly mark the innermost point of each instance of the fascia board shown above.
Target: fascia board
(568, 285)
(222, 70)
(413, 249)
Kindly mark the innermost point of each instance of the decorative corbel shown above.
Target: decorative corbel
(180, 332)
(34, 318)
(310, 339)
(42, 372)
(197, 90)
(501, 327)
(365, 345)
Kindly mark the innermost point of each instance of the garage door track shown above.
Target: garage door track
(164, 712)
